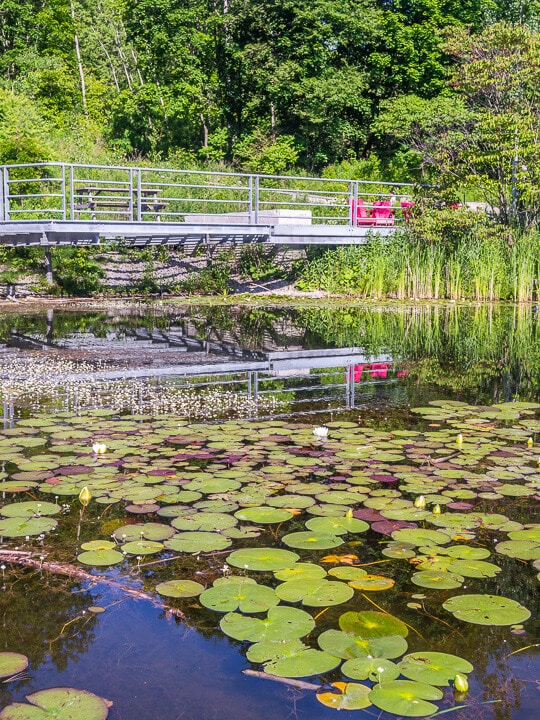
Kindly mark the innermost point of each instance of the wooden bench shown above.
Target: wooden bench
(118, 200)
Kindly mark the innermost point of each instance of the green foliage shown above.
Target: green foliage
(23, 131)
(258, 262)
(76, 270)
(213, 279)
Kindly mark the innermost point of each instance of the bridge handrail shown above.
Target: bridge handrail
(82, 191)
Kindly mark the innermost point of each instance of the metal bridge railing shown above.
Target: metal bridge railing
(60, 191)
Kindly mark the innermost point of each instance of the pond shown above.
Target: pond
(233, 511)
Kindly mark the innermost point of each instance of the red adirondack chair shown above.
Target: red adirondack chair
(382, 212)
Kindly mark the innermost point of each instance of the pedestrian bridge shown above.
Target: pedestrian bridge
(51, 204)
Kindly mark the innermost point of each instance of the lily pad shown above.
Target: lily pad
(347, 645)
(291, 659)
(336, 525)
(300, 570)
(487, 609)
(146, 531)
(248, 598)
(348, 696)
(434, 668)
(142, 547)
(100, 557)
(314, 592)
(31, 508)
(180, 588)
(282, 623)
(437, 579)
(307, 540)
(372, 624)
(376, 669)
(12, 663)
(59, 703)
(195, 542)
(262, 558)
(22, 526)
(263, 515)
(405, 697)
(372, 583)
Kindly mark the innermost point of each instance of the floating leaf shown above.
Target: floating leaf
(372, 624)
(337, 525)
(282, 623)
(300, 570)
(314, 592)
(60, 703)
(347, 573)
(262, 558)
(376, 669)
(180, 588)
(437, 579)
(372, 583)
(20, 527)
(291, 659)
(30, 509)
(248, 598)
(146, 531)
(347, 645)
(100, 557)
(349, 696)
(307, 540)
(487, 609)
(263, 515)
(12, 663)
(195, 542)
(142, 547)
(405, 697)
(434, 668)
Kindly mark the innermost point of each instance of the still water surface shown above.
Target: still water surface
(318, 365)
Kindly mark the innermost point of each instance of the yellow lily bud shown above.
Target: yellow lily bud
(85, 496)
(459, 439)
(349, 512)
(420, 502)
(436, 509)
(530, 442)
(461, 683)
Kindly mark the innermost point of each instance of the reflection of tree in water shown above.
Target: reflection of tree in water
(35, 609)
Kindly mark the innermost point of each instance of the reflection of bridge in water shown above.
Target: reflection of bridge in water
(309, 380)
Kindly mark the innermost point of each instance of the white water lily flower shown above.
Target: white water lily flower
(320, 432)
(99, 448)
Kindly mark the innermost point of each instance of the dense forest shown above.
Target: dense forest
(323, 86)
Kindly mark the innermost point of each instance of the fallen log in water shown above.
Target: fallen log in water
(26, 559)
(299, 684)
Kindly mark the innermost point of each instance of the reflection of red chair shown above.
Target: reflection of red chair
(378, 370)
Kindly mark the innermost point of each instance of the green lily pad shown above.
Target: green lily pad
(142, 547)
(98, 545)
(347, 645)
(348, 696)
(262, 559)
(336, 525)
(419, 536)
(100, 557)
(487, 609)
(248, 598)
(59, 703)
(282, 623)
(348, 572)
(307, 540)
(437, 579)
(291, 659)
(522, 549)
(372, 624)
(372, 583)
(207, 521)
(314, 592)
(12, 663)
(300, 570)
(434, 668)
(405, 697)
(146, 531)
(22, 526)
(195, 542)
(180, 588)
(29, 509)
(376, 669)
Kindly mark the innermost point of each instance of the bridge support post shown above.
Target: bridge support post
(48, 266)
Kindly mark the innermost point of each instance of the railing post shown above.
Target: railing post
(353, 202)
(6, 194)
(139, 195)
(1, 194)
(64, 204)
(130, 206)
(71, 194)
(256, 199)
(250, 200)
